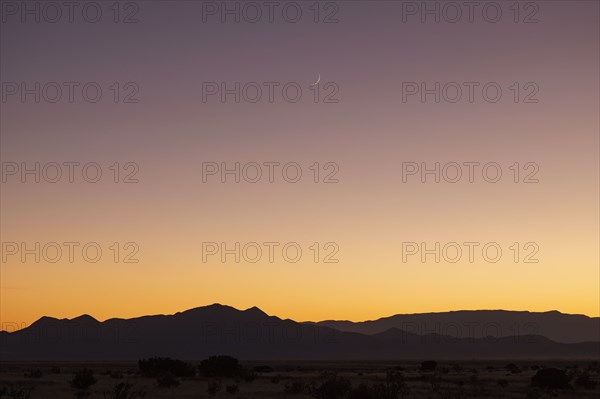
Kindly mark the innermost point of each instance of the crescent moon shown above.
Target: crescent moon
(318, 80)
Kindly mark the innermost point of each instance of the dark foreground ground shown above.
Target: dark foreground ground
(490, 379)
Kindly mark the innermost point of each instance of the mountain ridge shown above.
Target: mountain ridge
(217, 305)
(252, 334)
(560, 327)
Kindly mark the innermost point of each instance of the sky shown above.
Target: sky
(348, 203)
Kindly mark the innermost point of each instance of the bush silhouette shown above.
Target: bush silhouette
(584, 380)
(294, 388)
(333, 387)
(551, 378)
(157, 366)
(124, 390)
(220, 366)
(363, 391)
(232, 389)
(34, 374)
(395, 385)
(276, 379)
(16, 391)
(513, 368)
(167, 380)
(84, 379)
(213, 388)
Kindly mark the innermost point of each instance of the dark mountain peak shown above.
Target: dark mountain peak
(215, 305)
(252, 334)
(255, 311)
(44, 320)
(46, 323)
(217, 308)
(85, 318)
(222, 313)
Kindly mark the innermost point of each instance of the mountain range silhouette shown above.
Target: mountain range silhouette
(251, 334)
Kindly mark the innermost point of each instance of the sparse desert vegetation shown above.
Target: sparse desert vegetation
(225, 377)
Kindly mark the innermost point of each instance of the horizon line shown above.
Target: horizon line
(305, 321)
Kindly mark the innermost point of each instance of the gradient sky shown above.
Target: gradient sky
(369, 133)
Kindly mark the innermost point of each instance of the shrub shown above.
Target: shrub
(276, 379)
(213, 388)
(220, 366)
(513, 368)
(17, 391)
(584, 380)
(156, 366)
(294, 388)
(232, 389)
(124, 390)
(333, 387)
(551, 378)
(247, 375)
(435, 381)
(34, 374)
(394, 386)
(594, 367)
(167, 380)
(428, 365)
(363, 392)
(84, 379)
